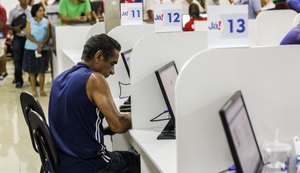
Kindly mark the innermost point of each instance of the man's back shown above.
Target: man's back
(76, 123)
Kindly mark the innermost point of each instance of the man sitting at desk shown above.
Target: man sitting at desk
(80, 99)
(75, 11)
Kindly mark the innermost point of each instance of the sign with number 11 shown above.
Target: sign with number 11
(131, 13)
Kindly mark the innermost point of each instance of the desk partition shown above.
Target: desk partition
(63, 37)
(127, 36)
(269, 80)
(149, 54)
(272, 26)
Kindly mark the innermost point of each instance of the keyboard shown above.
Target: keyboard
(167, 134)
(126, 107)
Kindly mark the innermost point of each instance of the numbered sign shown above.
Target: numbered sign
(167, 17)
(227, 26)
(131, 13)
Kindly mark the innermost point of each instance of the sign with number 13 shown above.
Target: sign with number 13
(227, 26)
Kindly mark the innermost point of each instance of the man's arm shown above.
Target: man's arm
(65, 19)
(98, 91)
(46, 39)
(9, 22)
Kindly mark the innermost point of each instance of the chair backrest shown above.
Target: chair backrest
(44, 141)
(28, 102)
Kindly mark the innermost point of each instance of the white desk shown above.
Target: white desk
(160, 153)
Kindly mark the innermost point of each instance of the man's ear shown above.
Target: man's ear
(99, 56)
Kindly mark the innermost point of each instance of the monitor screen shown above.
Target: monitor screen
(126, 59)
(166, 77)
(240, 135)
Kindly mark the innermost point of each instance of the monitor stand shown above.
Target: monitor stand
(169, 131)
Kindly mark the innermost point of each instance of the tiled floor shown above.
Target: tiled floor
(16, 152)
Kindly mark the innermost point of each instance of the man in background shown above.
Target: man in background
(17, 17)
(75, 11)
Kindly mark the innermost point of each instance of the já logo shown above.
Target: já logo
(159, 17)
(124, 13)
(215, 25)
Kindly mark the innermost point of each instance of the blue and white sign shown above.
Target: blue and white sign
(131, 13)
(167, 17)
(227, 26)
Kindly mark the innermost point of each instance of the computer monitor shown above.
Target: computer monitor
(126, 59)
(166, 77)
(240, 135)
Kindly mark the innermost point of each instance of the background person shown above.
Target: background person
(75, 11)
(292, 37)
(36, 48)
(294, 4)
(254, 7)
(194, 13)
(80, 99)
(186, 3)
(17, 14)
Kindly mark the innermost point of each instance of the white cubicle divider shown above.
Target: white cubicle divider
(68, 47)
(271, 26)
(296, 20)
(127, 36)
(151, 53)
(269, 80)
(97, 28)
(67, 37)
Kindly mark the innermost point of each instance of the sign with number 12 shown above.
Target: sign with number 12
(227, 26)
(167, 17)
(131, 13)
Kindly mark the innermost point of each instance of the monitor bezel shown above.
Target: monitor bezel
(124, 60)
(162, 88)
(225, 108)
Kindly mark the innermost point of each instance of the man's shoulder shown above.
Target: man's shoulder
(14, 9)
(97, 76)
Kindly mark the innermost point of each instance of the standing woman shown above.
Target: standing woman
(36, 48)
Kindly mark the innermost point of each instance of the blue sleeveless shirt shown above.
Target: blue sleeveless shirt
(39, 32)
(76, 123)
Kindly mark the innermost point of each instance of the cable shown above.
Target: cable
(120, 89)
(163, 119)
(231, 168)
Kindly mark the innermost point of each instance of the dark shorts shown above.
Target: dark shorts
(122, 162)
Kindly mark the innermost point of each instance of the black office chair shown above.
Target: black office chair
(28, 102)
(44, 142)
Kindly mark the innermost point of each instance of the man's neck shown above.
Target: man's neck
(24, 6)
